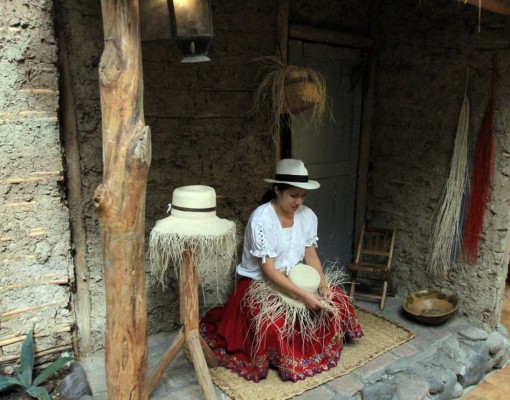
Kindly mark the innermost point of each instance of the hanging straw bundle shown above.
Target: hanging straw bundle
(289, 89)
(446, 234)
(480, 182)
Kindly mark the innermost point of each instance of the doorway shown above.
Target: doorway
(330, 152)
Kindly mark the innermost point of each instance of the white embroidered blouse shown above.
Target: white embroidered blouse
(265, 237)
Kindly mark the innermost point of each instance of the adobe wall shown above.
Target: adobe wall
(203, 128)
(423, 53)
(36, 267)
(203, 132)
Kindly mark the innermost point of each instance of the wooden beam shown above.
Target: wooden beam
(304, 32)
(73, 173)
(281, 47)
(282, 29)
(364, 149)
(496, 6)
(120, 200)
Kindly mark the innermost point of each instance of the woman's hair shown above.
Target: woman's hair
(271, 194)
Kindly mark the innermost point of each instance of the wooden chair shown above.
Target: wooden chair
(373, 259)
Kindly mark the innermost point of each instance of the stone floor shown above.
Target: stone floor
(497, 385)
(179, 381)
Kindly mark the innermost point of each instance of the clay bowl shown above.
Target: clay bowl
(430, 306)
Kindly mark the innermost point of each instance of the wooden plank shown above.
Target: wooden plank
(496, 6)
(311, 34)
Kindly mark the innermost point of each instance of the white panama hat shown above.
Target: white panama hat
(305, 277)
(293, 172)
(192, 226)
(193, 212)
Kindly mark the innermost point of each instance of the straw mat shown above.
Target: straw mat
(381, 335)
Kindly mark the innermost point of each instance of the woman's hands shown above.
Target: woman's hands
(312, 301)
(326, 292)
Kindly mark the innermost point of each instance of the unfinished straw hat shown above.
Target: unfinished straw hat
(293, 172)
(191, 226)
(305, 277)
(271, 307)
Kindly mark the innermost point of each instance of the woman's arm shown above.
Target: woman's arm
(312, 259)
(310, 300)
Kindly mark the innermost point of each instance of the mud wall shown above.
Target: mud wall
(424, 51)
(203, 132)
(203, 128)
(36, 269)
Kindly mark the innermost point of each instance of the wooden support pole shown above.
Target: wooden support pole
(282, 45)
(120, 200)
(364, 148)
(74, 197)
(167, 358)
(199, 351)
(188, 297)
(201, 354)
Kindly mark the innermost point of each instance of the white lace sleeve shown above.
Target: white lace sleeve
(263, 241)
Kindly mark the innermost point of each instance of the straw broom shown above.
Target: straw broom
(447, 231)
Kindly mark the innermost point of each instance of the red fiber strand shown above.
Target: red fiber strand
(480, 183)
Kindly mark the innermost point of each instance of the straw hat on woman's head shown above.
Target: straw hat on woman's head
(293, 172)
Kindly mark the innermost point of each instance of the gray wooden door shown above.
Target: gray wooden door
(331, 153)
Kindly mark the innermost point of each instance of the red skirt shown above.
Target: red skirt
(230, 332)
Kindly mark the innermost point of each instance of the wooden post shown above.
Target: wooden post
(188, 296)
(364, 148)
(120, 200)
(200, 353)
(282, 44)
(71, 147)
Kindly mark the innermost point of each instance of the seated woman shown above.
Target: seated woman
(272, 320)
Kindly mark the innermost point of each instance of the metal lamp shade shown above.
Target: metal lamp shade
(191, 22)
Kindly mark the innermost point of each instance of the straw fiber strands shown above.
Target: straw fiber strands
(446, 236)
(381, 335)
(480, 182)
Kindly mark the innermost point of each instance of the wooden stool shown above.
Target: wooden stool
(201, 354)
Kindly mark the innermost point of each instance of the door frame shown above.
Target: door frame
(338, 38)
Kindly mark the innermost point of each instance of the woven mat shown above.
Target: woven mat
(381, 335)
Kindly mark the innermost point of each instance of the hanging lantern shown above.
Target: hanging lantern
(191, 22)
